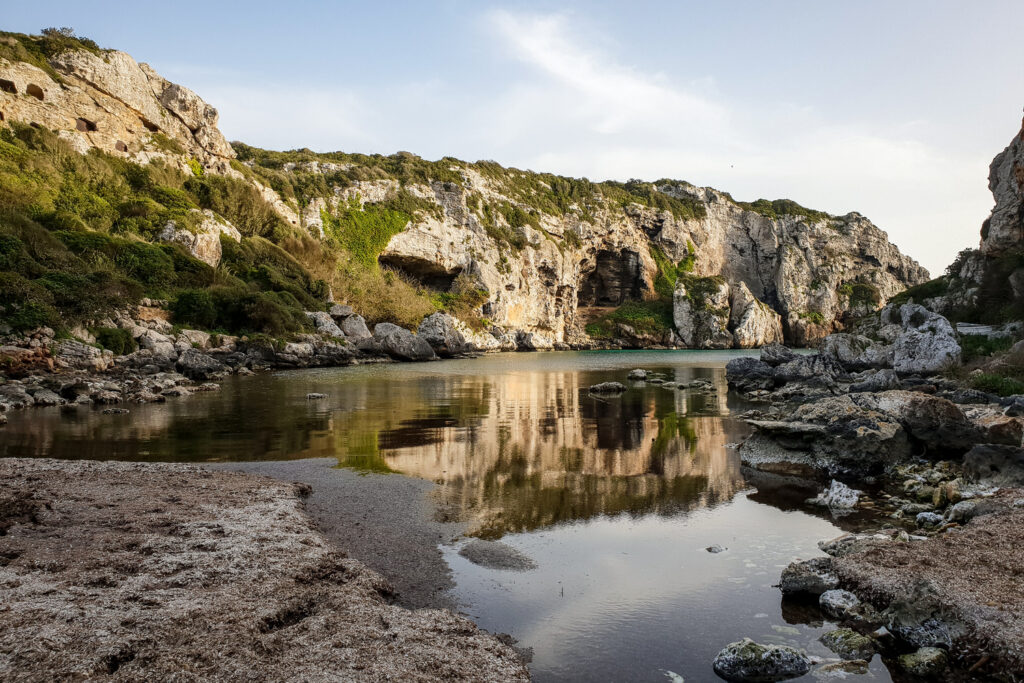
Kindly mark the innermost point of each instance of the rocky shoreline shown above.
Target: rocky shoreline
(132, 570)
(935, 590)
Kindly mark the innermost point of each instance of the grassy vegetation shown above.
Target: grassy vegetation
(815, 317)
(37, 50)
(861, 294)
(646, 317)
(77, 231)
(926, 290)
(998, 384)
(776, 208)
(976, 346)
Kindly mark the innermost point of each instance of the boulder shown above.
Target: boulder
(809, 577)
(849, 644)
(637, 375)
(533, 341)
(607, 388)
(749, 374)
(203, 240)
(753, 323)
(195, 338)
(777, 354)
(355, 328)
(926, 662)
(199, 366)
(402, 344)
(701, 314)
(933, 421)
(449, 336)
(75, 354)
(838, 496)
(746, 660)
(847, 349)
(324, 324)
(928, 343)
(340, 311)
(838, 604)
(995, 465)
(878, 380)
(813, 367)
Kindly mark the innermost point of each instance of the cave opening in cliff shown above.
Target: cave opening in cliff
(617, 277)
(35, 91)
(85, 125)
(150, 126)
(8, 86)
(423, 271)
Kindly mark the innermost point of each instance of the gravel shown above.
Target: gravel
(138, 571)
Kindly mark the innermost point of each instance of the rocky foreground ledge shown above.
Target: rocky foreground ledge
(139, 571)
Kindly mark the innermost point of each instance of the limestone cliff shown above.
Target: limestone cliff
(555, 260)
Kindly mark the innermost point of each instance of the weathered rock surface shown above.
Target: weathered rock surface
(402, 344)
(167, 568)
(702, 321)
(753, 323)
(810, 577)
(449, 336)
(927, 344)
(746, 660)
(202, 241)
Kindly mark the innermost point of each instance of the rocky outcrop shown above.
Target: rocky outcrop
(545, 263)
(203, 239)
(753, 323)
(402, 344)
(108, 101)
(449, 336)
(702, 317)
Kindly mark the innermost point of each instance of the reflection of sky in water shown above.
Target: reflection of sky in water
(625, 597)
(614, 498)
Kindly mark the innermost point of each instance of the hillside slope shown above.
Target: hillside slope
(247, 239)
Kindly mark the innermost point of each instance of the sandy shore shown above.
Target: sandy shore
(133, 571)
(386, 521)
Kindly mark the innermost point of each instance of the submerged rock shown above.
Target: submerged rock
(838, 496)
(747, 661)
(849, 644)
(607, 388)
(496, 555)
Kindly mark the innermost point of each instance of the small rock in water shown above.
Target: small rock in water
(841, 670)
(607, 388)
(312, 396)
(637, 375)
(656, 380)
(496, 555)
(715, 549)
(115, 411)
(746, 660)
(849, 644)
(812, 577)
(838, 496)
(673, 676)
(928, 662)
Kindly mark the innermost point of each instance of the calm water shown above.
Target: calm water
(615, 499)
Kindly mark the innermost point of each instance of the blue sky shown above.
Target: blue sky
(892, 109)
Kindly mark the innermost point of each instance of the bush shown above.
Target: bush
(980, 345)
(998, 384)
(31, 315)
(195, 307)
(115, 339)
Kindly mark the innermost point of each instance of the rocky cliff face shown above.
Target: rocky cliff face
(108, 101)
(803, 275)
(558, 260)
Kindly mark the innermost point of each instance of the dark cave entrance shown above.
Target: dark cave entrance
(427, 273)
(617, 277)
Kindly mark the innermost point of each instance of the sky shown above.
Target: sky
(890, 109)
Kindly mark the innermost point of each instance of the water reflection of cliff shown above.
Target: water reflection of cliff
(537, 449)
(514, 450)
